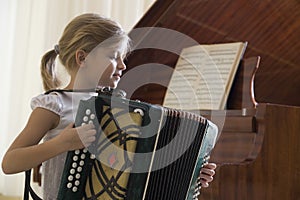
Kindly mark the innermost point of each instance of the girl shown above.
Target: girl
(52, 116)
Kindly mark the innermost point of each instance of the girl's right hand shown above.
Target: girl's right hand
(79, 137)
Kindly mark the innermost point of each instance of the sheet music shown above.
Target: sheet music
(203, 76)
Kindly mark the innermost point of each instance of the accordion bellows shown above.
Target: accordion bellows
(142, 151)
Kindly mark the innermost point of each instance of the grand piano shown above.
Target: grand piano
(258, 149)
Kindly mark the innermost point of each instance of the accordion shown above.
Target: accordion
(141, 151)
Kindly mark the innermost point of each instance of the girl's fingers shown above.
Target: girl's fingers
(87, 126)
(206, 178)
(86, 134)
(204, 184)
(210, 166)
(206, 174)
(209, 172)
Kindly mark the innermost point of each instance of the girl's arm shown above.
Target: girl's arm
(26, 152)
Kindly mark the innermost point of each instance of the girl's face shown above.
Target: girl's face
(102, 67)
(113, 71)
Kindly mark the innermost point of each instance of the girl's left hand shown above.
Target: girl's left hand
(206, 174)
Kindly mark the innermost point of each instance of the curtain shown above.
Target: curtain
(29, 28)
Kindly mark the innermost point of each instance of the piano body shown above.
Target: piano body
(257, 152)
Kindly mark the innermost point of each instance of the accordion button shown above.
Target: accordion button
(72, 171)
(79, 169)
(83, 124)
(75, 158)
(93, 116)
(82, 156)
(77, 183)
(77, 152)
(81, 163)
(74, 189)
(77, 176)
(69, 185)
(140, 111)
(70, 178)
(91, 122)
(74, 164)
(85, 150)
(92, 156)
(85, 118)
(88, 112)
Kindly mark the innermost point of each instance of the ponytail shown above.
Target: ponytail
(49, 77)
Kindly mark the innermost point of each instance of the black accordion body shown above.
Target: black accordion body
(142, 151)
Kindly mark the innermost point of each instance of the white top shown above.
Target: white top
(64, 104)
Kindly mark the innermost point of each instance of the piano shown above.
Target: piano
(258, 150)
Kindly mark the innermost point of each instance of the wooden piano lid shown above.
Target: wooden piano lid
(272, 29)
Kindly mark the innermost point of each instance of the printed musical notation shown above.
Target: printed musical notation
(203, 76)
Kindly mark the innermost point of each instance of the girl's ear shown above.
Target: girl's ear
(80, 57)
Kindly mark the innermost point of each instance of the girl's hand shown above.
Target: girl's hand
(206, 174)
(79, 137)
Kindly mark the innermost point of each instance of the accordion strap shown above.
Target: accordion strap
(105, 90)
(70, 90)
(28, 189)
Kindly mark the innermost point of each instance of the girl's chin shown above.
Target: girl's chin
(111, 85)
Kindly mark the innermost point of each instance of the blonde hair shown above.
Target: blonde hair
(84, 32)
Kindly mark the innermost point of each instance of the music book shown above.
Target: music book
(203, 76)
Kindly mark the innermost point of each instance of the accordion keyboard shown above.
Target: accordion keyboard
(80, 157)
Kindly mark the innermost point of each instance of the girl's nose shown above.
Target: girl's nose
(121, 64)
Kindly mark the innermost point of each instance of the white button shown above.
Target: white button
(82, 156)
(88, 112)
(74, 164)
(69, 185)
(91, 122)
(75, 158)
(140, 111)
(72, 171)
(81, 163)
(92, 116)
(70, 178)
(77, 176)
(77, 151)
(85, 150)
(79, 169)
(85, 118)
(77, 183)
(92, 156)
(74, 189)
(83, 124)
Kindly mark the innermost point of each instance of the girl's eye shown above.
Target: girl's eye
(113, 57)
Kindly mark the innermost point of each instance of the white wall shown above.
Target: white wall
(28, 29)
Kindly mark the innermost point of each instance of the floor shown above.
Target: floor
(9, 198)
